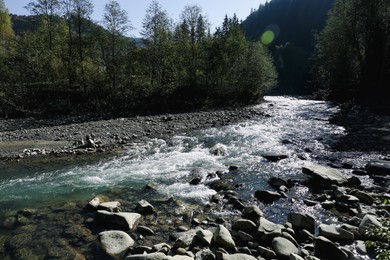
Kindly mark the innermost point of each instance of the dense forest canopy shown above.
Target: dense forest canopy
(62, 62)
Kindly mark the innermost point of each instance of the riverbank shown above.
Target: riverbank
(41, 138)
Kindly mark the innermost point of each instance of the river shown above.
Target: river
(294, 127)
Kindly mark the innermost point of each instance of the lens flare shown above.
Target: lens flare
(267, 37)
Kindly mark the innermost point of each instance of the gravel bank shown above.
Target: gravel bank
(37, 138)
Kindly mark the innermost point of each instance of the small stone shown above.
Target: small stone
(145, 208)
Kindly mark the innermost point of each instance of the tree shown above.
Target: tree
(116, 22)
(157, 34)
(6, 32)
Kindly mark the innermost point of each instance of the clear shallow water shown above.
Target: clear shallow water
(294, 127)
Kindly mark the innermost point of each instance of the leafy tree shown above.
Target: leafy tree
(117, 23)
(6, 32)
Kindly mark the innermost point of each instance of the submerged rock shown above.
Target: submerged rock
(378, 167)
(274, 157)
(266, 196)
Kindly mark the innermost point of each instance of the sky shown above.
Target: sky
(136, 9)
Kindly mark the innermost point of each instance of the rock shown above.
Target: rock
(162, 247)
(94, 203)
(363, 197)
(361, 247)
(205, 254)
(348, 199)
(218, 150)
(301, 221)
(266, 196)
(145, 208)
(266, 252)
(290, 238)
(223, 238)
(284, 247)
(309, 203)
(196, 181)
(252, 213)
(145, 231)
(152, 256)
(353, 229)
(275, 182)
(328, 204)
(115, 243)
(122, 220)
(267, 230)
(336, 233)
(368, 223)
(378, 167)
(237, 257)
(324, 175)
(294, 256)
(150, 186)
(326, 249)
(205, 236)
(184, 239)
(243, 237)
(112, 206)
(274, 157)
(245, 225)
(178, 257)
(233, 168)
(220, 185)
(354, 181)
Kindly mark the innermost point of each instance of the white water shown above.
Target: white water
(293, 126)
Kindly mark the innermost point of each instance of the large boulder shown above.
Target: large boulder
(326, 249)
(252, 213)
(267, 230)
(245, 225)
(368, 223)
(204, 236)
(115, 243)
(324, 175)
(301, 221)
(184, 239)
(121, 220)
(266, 196)
(336, 233)
(223, 238)
(284, 247)
(378, 167)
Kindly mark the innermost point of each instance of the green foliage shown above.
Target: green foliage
(67, 64)
(381, 244)
(352, 52)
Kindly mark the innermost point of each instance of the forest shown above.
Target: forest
(58, 61)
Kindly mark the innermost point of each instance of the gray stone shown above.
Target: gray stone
(112, 206)
(243, 237)
(267, 230)
(161, 247)
(336, 233)
(115, 243)
(178, 257)
(223, 238)
(245, 225)
(237, 257)
(290, 238)
(252, 213)
(205, 254)
(205, 236)
(123, 220)
(145, 231)
(145, 208)
(218, 150)
(361, 247)
(94, 203)
(301, 221)
(325, 175)
(152, 256)
(294, 256)
(266, 252)
(274, 157)
(368, 223)
(184, 239)
(326, 249)
(284, 247)
(364, 197)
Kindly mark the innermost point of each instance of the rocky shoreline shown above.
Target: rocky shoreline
(33, 138)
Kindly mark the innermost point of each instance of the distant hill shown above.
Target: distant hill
(24, 23)
(294, 22)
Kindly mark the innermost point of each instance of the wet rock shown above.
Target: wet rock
(363, 197)
(145, 208)
(122, 220)
(223, 238)
(163, 247)
(368, 223)
(221, 185)
(150, 186)
(112, 206)
(196, 181)
(218, 150)
(378, 167)
(277, 182)
(283, 247)
(326, 249)
(309, 203)
(324, 175)
(274, 157)
(336, 233)
(354, 181)
(328, 204)
(215, 198)
(266, 196)
(205, 237)
(237, 257)
(301, 221)
(361, 247)
(233, 168)
(115, 243)
(289, 237)
(252, 213)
